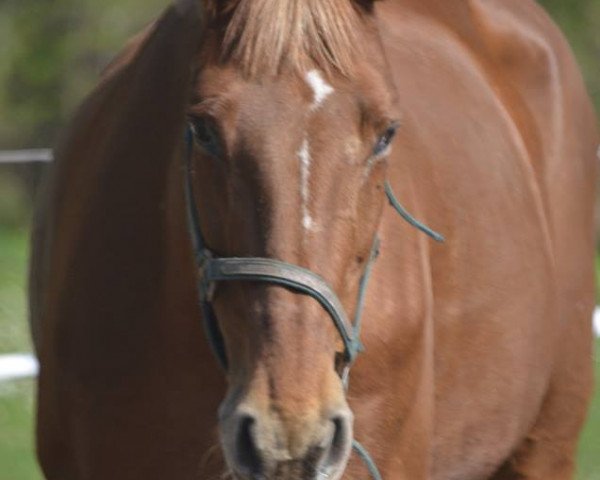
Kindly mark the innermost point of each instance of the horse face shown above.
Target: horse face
(289, 166)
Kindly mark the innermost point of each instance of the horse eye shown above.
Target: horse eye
(385, 140)
(206, 135)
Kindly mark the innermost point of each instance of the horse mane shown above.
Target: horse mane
(268, 36)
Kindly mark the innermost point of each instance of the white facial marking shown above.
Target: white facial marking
(304, 156)
(321, 89)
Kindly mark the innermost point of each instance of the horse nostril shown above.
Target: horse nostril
(258, 446)
(247, 454)
(340, 442)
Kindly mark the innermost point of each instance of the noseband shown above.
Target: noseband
(213, 270)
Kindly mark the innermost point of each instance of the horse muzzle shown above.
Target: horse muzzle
(272, 445)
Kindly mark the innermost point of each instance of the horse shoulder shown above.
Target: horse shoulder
(548, 100)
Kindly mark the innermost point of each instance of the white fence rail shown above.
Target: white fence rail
(36, 155)
(17, 366)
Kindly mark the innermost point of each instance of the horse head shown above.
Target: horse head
(292, 115)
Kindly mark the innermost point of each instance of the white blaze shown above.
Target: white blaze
(304, 156)
(321, 89)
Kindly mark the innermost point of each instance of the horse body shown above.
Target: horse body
(477, 351)
(497, 352)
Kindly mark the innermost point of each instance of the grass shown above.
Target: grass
(17, 460)
(589, 447)
(14, 337)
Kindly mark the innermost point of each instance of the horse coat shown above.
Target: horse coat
(478, 351)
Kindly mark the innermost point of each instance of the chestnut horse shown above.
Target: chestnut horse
(477, 361)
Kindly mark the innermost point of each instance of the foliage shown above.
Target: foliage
(52, 52)
(52, 55)
(580, 22)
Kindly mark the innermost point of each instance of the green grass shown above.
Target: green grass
(17, 460)
(14, 336)
(589, 447)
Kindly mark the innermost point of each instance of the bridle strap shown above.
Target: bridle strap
(201, 255)
(408, 217)
(365, 456)
(198, 243)
(264, 270)
(267, 270)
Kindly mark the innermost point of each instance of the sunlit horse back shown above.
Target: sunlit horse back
(254, 240)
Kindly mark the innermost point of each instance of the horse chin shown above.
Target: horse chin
(321, 475)
(290, 470)
(331, 474)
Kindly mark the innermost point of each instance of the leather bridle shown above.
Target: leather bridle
(213, 270)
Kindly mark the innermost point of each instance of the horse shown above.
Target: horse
(192, 293)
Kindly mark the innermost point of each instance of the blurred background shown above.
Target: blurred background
(51, 53)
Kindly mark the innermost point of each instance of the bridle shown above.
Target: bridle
(213, 270)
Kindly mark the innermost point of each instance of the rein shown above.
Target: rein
(212, 270)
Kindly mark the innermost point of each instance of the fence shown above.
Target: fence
(26, 156)
(16, 366)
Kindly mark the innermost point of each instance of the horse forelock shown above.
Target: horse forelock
(268, 36)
